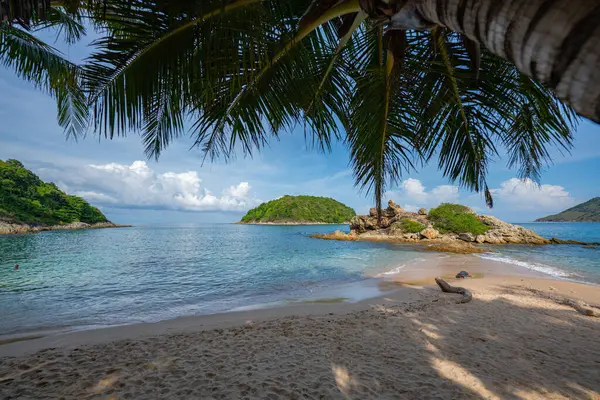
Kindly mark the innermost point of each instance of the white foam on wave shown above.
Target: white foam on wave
(393, 271)
(543, 268)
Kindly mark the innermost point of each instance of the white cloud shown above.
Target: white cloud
(527, 195)
(137, 185)
(410, 207)
(412, 192)
(444, 193)
(413, 189)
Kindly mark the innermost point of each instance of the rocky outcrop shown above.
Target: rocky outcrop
(393, 213)
(429, 233)
(394, 220)
(11, 228)
(584, 244)
(501, 232)
(7, 228)
(466, 237)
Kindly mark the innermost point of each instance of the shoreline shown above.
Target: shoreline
(520, 336)
(514, 339)
(9, 228)
(417, 273)
(289, 223)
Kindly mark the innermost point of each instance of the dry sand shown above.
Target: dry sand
(514, 340)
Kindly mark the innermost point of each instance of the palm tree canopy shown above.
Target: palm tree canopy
(245, 70)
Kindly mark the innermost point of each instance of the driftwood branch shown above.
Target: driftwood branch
(446, 288)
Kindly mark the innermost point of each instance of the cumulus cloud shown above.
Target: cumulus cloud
(444, 193)
(137, 185)
(412, 191)
(527, 195)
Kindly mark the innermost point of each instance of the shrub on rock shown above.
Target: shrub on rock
(456, 218)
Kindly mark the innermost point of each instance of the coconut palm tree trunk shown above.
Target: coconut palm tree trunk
(554, 41)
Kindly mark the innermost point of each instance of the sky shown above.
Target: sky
(180, 189)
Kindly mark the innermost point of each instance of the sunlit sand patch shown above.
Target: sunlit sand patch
(429, 331)
(343, 380)
(431, 335)
(461, 376)
(430, 347)
(105, 383)
(590, 393)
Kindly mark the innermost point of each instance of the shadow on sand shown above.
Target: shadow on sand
(497, 346)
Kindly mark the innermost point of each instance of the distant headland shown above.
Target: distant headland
(584, 212)
(299, 210)
(30, 205)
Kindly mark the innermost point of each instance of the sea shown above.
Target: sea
(70, 280)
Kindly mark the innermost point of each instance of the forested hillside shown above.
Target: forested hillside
(25, 198)
(300, 209)
(584, 212)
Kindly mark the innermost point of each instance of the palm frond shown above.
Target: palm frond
(541, 122)
(246, 70)
(68, 25)
(38, 63)
(381, 131)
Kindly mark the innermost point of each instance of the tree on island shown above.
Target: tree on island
(400, 81)
(25, 198)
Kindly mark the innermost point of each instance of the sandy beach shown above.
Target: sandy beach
(515, 339)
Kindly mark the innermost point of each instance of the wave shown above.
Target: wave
(546, 269)
(393, 271)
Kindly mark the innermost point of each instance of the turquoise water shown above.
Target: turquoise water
(563, 261)
(117, 276)
(84, 279)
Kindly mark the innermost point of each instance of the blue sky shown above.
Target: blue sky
(178, 189)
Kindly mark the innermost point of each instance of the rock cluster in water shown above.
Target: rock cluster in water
(393, 220)
(11, 228)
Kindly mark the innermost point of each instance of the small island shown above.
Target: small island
(584, 212)
(30, 205)
(299, 210)
(449, 227)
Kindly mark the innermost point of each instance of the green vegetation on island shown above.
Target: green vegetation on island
(26, 199)
(456, 218)
(408, 225)
(300, 209)
(584, 212)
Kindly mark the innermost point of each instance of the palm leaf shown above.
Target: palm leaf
(40, 64)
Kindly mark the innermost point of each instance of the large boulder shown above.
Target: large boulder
(429, 233)
(363, 223)
(466, 237)
(491, 238)
(396, 229)
(411, 236)
(393, 209)
(384, 223)
(422, 211)
(373, 212)
(357, 224)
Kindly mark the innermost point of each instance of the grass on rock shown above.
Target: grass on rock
(456, 218)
